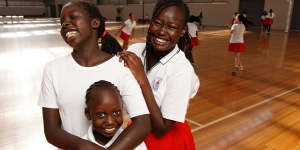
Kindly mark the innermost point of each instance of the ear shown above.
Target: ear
(87, 114)
(183, 31)
(95, 23)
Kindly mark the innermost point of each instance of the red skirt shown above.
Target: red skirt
(194, 41)
(236, 47)
(270, 21)
(179, 137)
(124, 36)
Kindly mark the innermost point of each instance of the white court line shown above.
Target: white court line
(243, 110)
(193, 122)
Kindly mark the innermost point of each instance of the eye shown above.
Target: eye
(117, 113)
(74, 16)
(156, 22)
(172, 27)
(100, 115)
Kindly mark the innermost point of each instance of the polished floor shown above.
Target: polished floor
(258, 109)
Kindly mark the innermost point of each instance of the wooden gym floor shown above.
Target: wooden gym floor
(258, 109)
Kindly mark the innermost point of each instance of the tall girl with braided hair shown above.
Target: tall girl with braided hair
(165, 75)
(66, 79)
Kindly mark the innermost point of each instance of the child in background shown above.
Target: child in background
(104, 109)
(127, 30)
(193, 32)
(270, 20)
(236, 43)
(264, 21)
(166, 77)
(66, 79)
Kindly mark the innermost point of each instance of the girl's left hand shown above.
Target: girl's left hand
(135, 65)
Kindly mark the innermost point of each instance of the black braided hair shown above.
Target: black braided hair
(159, 7)
(102, 84)
(109, 44)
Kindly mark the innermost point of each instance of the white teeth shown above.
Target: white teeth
(160, 40)
(71, 33)
(110, 130)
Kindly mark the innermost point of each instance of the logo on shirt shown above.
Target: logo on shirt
(156, 82)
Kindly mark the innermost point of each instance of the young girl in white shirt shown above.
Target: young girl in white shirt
(236, 43)
(127, 30)
(104, 109)
(166, 77)
(66, 79)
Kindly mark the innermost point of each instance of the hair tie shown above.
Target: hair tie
(104, 33)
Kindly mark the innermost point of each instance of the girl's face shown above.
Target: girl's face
(105, 111)
(167, 28)
(75, 24)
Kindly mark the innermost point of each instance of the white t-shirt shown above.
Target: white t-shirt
(271, 16)
(263, 17)
(90, 137)
(173, 82)
(128, 26)
(237, 35)
(65, 83)
(192, 28)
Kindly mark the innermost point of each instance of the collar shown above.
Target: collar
(168, 57)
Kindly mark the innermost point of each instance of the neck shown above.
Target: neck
(89, 54)
(101, 139)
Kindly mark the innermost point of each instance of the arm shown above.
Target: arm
(59, 137)
(133, 135)
(159, 124)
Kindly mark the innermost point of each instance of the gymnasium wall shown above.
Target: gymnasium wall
(280, 8)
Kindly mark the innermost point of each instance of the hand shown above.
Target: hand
(135, 65)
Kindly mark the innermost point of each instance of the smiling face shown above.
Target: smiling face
(167, 28)
(105, 110)
(76, 25)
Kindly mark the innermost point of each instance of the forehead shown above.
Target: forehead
(105, 96)
(71, 7)
(173, 12)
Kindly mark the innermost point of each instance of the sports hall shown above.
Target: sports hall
(257, 109)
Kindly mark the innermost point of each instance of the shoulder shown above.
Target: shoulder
(137, 48)
(57, 63)
(180, 64)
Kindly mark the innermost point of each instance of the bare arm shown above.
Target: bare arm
(159, 124)
(59, 137)
(120, 29)
(134, 134)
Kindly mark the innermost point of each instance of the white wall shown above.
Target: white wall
(280, 8)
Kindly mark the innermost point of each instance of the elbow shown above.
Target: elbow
(143, 123)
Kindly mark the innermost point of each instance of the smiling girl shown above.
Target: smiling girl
(66, 79)
(166, 77)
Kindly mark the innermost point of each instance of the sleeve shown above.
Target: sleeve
(181, 86)
(137, 48)
(132, 95)
(127, 22)
(48, 95)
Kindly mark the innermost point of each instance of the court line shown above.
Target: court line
(193, 122)
(243, 110)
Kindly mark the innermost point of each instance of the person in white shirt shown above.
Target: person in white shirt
(127, 30)
(66, 79)
(264, 21)
(236, 43)
(270, 18)
(104, 110)
(166, 76)
(193, 32)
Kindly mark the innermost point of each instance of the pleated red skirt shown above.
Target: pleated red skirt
(236, 47)
(178, 138)
(124, 36)
(194, 41)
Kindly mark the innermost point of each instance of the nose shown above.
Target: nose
(66, 23)
(110, 120)
(162, 30)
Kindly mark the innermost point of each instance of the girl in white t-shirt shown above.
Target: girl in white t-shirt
(127, 30)
(66, 79)
(193, 32)
(104, 109)
(270, 20)
(166, 76)
(236, 43)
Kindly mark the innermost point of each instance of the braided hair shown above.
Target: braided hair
(102, 84)
(109, 44)
(159, 7)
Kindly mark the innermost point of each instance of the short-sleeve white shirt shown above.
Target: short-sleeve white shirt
(90, 137)
(237, 35)
(192, 28)
(271, 16)
(173, 82)
(65, 83)
(129, 26)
